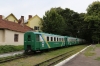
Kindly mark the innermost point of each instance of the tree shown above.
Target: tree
(72, 20)
(53, 22)
(93, 20)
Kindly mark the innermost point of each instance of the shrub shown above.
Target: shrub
(10, 48)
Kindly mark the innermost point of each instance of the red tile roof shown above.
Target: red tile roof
(4, 24)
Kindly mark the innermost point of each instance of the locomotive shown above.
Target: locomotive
(38, 41)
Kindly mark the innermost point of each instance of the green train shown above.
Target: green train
(38, 41)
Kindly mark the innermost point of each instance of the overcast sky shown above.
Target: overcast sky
(33, 7)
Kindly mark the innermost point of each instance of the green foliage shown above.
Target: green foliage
(98, 58)
(70, 23)
(93, 21)
(94, 8)
(62, 21)
(10, 48)
(53, 22)
(97, 45)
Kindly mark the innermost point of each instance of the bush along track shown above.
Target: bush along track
(58, 58)
(10, 48)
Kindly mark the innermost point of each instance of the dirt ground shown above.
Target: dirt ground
(83, 60)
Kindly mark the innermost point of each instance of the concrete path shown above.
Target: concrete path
(82, 60)
(11, 54)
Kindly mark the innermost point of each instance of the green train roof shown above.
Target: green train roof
(44, 33)
(48, 34)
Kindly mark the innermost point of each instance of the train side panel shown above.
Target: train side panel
(53, 41)
(36, 41)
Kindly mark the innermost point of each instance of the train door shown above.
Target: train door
(66, 42)
(28, 41)
(37, 43)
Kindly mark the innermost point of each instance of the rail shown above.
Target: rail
(6, 59)
(57, 59)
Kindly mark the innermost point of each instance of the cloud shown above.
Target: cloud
(33, 7)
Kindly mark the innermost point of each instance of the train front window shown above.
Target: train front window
(37, 38)
(29, 37)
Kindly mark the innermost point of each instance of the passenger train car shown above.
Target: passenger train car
(38, 41)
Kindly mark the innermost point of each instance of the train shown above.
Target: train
(38, 41)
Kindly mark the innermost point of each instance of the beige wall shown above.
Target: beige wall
(1, 35)
(11, 18)
(9, 38)
(34, 22)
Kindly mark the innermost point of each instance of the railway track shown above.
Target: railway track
(10, 58)
(14, 57)
(49, 62)
(57, 59)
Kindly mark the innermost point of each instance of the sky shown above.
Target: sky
(39, 7)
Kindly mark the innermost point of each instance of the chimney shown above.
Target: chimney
(0, 16)
(21, 21)
(22, 18)
(30, 16)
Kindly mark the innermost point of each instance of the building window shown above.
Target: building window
(36, 28)
(15, 37)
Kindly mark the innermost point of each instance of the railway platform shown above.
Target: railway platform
(11, 54)
(80, 59)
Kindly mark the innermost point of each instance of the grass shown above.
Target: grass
(64, 50)
(4, 58)
(89, 51)
(58, 52)
(97, 45)
(98, 58)
(35, 59)
(75, 51)
(10, 48)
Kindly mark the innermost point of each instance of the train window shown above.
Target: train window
(47, 38)
(51, 38)
(37, 38)
(54, 38)
(40, 37)
(29, 37)
(57, 38)
(62, 39)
